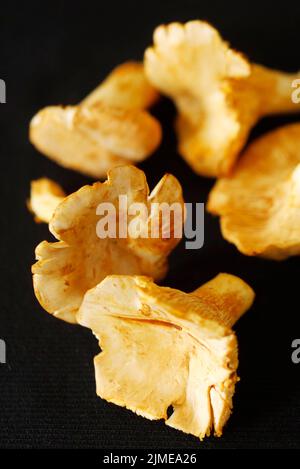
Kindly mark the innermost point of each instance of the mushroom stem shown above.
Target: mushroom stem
(278, 88)
(126, 87)
(229, 294)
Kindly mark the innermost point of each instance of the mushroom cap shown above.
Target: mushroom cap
(160, 348)
(80, 259)
(45, 195)
(94, 139)
(259, 204)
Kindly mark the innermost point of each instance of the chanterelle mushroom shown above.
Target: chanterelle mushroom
(108, 128)
(259, 204)
(218, 93)
(80, 259)
(45, 195)
(162, 347)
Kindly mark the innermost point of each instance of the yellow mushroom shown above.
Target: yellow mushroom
(218, 93)
(108, 128)
(163, 348)
(81, 258)
(45, 195)
(259, 204)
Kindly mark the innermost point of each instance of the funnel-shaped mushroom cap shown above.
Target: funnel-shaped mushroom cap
(259, 204)
(109, 128)
(162, 347)
(218, 93)
(81, 259)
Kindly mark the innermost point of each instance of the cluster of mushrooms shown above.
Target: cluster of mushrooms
(162, 348)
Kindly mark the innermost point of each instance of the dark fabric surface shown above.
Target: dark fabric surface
(57, 52)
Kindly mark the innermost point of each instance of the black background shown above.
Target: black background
(55, 53)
